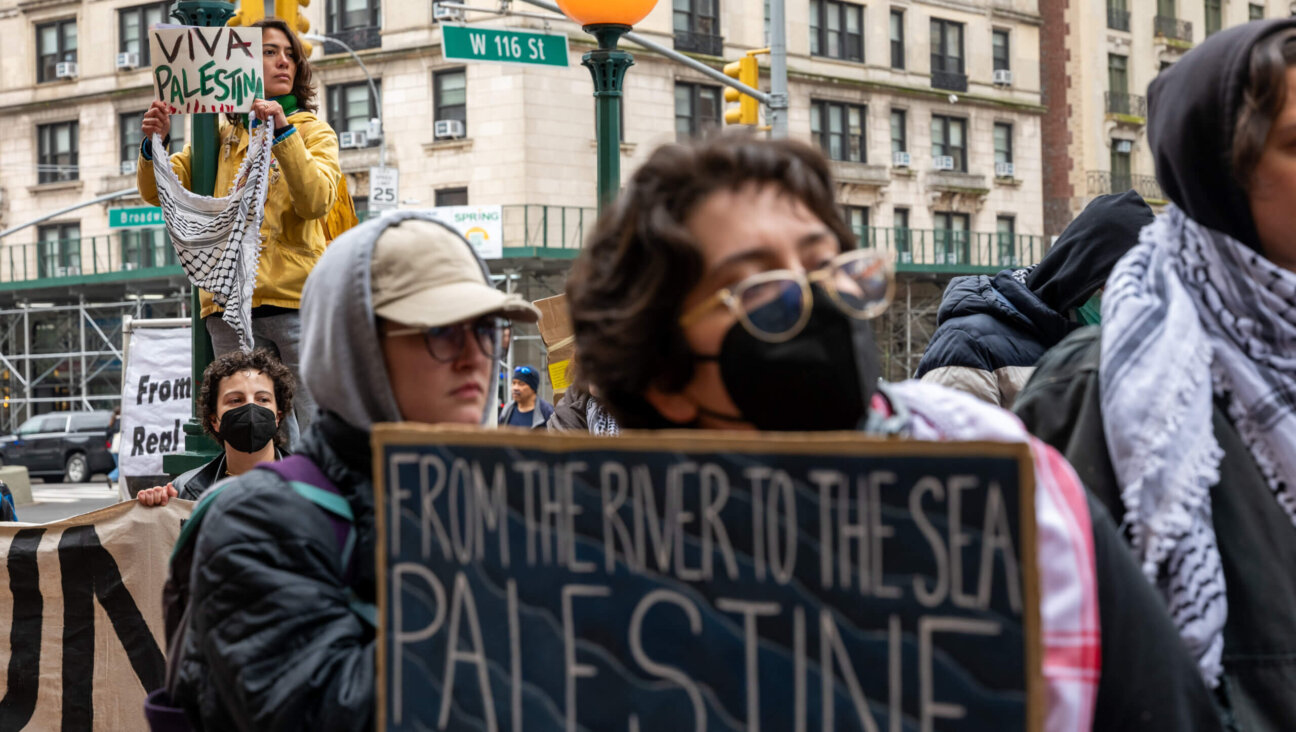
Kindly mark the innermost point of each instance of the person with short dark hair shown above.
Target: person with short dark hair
(241, 405)
(1180, 412)
(527, 410)
(724, 290)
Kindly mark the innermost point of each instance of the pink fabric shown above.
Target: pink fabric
(1072, 639)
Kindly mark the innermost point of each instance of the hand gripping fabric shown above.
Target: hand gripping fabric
(218, 240)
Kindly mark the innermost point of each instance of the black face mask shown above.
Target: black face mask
(248, 428)
(821, 379)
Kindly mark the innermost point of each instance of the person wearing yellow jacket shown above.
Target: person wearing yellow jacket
(305, 180)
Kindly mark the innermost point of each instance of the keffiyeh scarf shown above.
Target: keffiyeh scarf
(1191, 314)
(218, 240)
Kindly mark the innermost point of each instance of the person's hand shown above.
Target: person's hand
(157, 495)
(269, 111)
(157, 119)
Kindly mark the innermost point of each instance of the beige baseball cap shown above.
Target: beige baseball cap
(425, 275)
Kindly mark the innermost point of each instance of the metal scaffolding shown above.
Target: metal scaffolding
(906, 328)
(67, 356)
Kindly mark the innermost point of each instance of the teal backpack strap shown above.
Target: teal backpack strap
(331, 503)
(191, 525)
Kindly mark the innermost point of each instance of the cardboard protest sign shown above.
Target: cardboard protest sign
(157, 399)
(81, 617)
(691, 581)
(207, 70)
(556, 332)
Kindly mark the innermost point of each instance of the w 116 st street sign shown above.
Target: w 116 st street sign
(503, 46)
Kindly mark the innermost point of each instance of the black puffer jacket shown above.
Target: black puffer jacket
(272, 643)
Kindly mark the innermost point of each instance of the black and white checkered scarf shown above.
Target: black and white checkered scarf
(1191, 314)
(218, 240)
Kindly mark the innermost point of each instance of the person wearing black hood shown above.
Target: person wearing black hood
(993, 330)
(723, 290)
(1180, 413)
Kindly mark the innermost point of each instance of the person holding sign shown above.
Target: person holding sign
(304, 185)
(400, 323)
(242, 405)
(723, 290)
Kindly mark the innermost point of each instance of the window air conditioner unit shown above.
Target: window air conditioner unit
(72, 270)
(1007, 260)
(1003, 170)
(128, 167)
(943, 162)
(900, 159)
(59, 271)
(442, 14)
(129, 265)
(1003, 77)
(906, 257)
(448, 129)
(66, 70)
(352, 140)
(1124, 146)
(127, 60)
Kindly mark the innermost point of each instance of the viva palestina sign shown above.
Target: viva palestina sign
(701, 582)
(503, 46)
(82, 617)
(206, 70)
(482, 226)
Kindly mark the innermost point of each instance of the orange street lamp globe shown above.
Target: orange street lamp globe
(606, 12)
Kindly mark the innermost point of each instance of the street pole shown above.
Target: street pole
(373, 90)
(608, 65)
(778, 96)
(204, 145)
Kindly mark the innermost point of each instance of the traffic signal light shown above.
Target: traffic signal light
(248, 12)
(747, 71)
(289, 11)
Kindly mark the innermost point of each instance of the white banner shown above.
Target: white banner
(157, 396)
(482, 226)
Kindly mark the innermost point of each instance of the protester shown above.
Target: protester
(1179, 412)
(693, 306)
(993, 330)
(527, 410)
(400, 323)
(581, 411)
(241, 406)
(304, 187)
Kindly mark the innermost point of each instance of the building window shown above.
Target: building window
(1005, 234)
(143, 248)
(953, 245)
(1255, 12)
(354, 22)
(351, 106)
(1003, 148)
(1118, 15)
(897, 39)
(450, 96)
(899, 131)
(452, 197)
(130, 136)
(839, 130)
(697, 110)
(837, 30)
(949, 139)
(55, 42)
(900, 229)
(57, 151)
(999, 48)
(1118, 73)
(133, 25)
(1166, 8)
(1213, 16)
(58, 251)
(697, 27)
(857, 217)
(947, 70)
(1122, 177)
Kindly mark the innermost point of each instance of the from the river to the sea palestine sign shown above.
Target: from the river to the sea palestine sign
(674, 582)
(503, 46)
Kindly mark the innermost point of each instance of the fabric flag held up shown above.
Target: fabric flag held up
(218, 240)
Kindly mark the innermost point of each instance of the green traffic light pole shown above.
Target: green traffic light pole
(199, 448)
(608, 65)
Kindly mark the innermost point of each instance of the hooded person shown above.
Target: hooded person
(993, 330)
(723, 290)
(1181, 411)
(400, 323)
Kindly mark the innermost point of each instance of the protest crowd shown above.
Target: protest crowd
(1149, 363)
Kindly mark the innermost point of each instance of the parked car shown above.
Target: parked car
(71, 445)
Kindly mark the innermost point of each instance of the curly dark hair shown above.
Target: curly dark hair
(1263, 98)
(627, 287)
(260, 360)
(303, 89)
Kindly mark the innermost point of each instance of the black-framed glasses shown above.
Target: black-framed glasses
(446, 342)
(774, 306)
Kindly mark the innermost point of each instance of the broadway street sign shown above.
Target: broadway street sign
(504, 46)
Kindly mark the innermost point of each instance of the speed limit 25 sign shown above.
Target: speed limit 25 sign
(384, 188)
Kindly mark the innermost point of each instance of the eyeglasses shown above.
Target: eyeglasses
(774, 306)
(446, 342)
